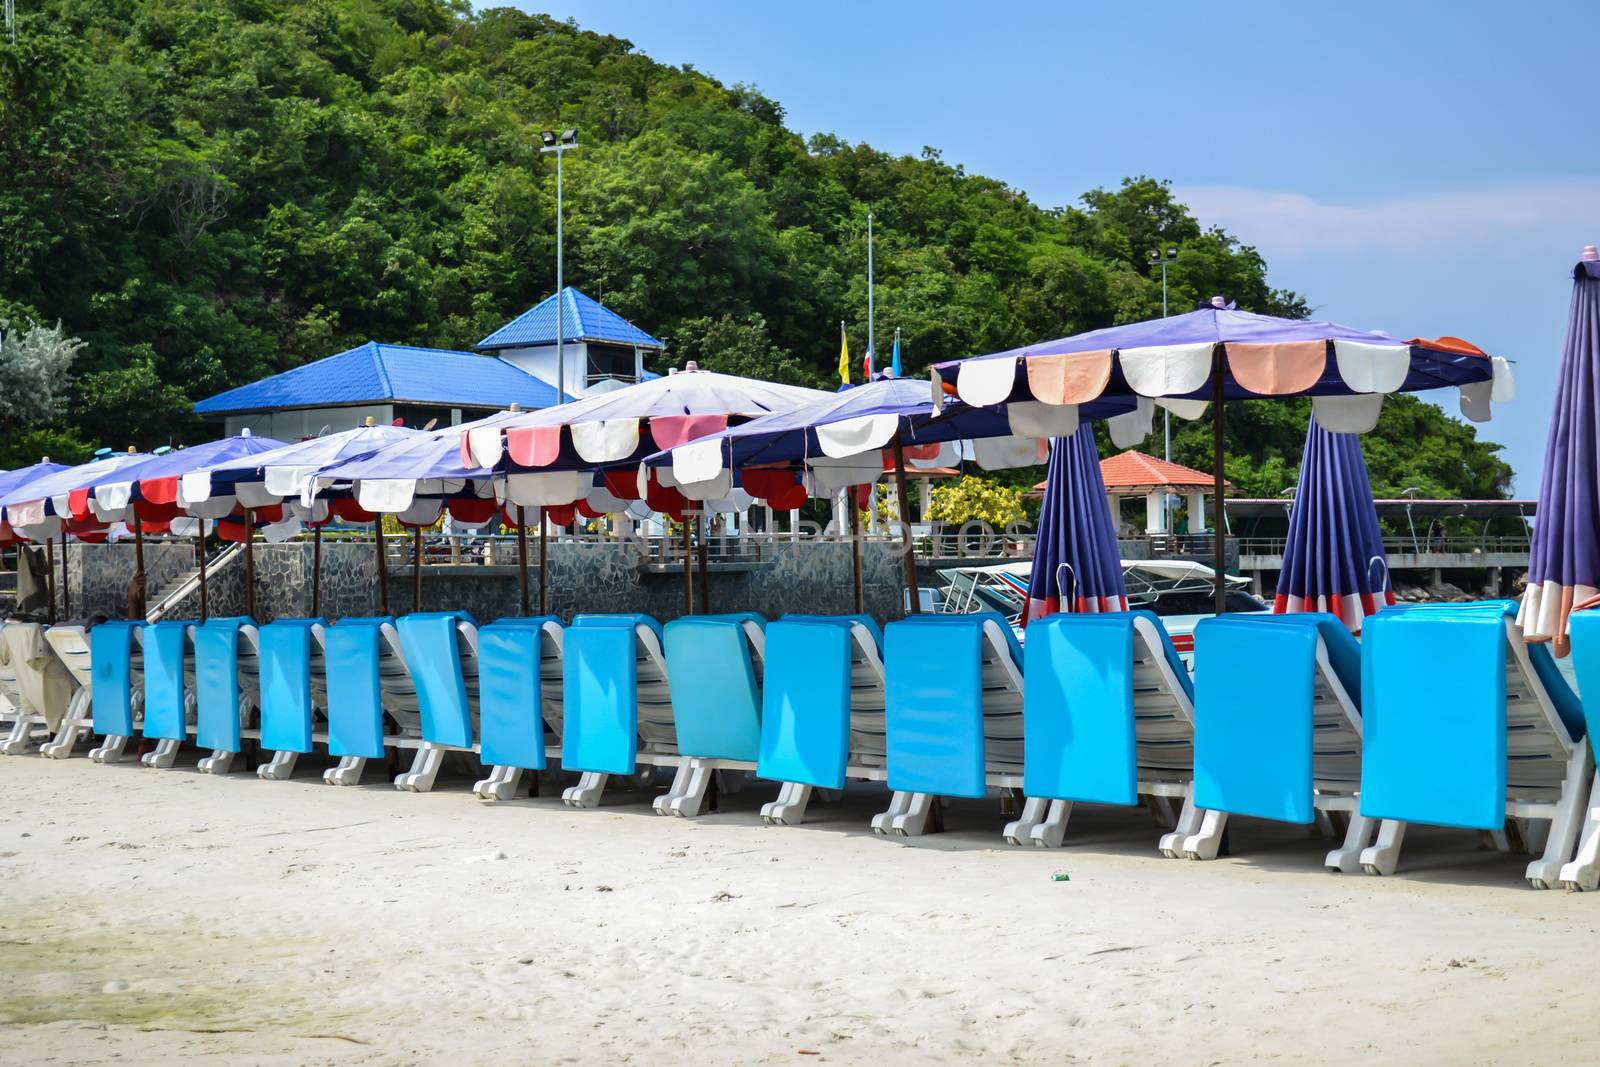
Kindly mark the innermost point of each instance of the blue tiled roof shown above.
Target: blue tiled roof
(376, 373)
(583, 319)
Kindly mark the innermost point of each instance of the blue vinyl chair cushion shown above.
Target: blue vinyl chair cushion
(433, 655)
(286, 684)
(510, 693)
(600, 693)
(164, 686)
(111, 668)
(716, 702)
(355, 698)
(216, 682)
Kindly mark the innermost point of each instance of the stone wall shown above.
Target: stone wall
(606, 576)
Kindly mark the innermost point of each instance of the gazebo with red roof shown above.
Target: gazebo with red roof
(1135, 474)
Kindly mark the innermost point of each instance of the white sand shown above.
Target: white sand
(145, 915)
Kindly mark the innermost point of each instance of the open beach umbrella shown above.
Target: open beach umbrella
(1564, 559)
(1190, 362)
(12, 480)
(145, 493)
(838, 442)
(548, 458)
(1333, 560)
(417, 478)
(270, 485)
(1076, 563)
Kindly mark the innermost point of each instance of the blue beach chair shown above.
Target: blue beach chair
(294, 686)
(616, 709)
(822, 709)
(953, 713)
(1109, 714)
(1584, 871)
(372, 702)
(1466, 725)
(519, 700)
(71, 646)
(714, 669)
(116, 699)
(441, 653)
(169, 700)
(1277, 727)
(227, 689)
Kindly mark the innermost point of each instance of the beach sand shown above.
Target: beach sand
(146, 915)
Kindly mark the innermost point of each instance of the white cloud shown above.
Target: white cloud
(1295, 224)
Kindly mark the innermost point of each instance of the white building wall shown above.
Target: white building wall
(540, 361)
(299, 423)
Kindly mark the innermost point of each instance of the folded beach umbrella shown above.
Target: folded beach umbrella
(1187, 363)
(1333, 560)
(1564, 561)
(1076, 563)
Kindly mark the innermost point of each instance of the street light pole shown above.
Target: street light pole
(568, 139)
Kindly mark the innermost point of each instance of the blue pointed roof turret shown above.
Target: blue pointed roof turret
(583, 319)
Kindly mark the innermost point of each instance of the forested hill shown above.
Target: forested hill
(207, 191)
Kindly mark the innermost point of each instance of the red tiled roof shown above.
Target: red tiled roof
(1135, 470)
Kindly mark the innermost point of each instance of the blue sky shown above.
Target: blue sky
(1421, 168)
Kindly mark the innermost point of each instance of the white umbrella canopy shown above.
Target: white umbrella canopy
(37, 508)
(548, 457)
(280, 475)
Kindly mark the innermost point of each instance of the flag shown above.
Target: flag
(866, 365)
(844, 356)
(895, 359)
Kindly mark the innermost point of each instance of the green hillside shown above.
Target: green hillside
(208, 191)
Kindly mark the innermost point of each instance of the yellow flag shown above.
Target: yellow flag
(844, 356)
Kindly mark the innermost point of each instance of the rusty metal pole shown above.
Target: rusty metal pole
(1219, 555)
(704, 529)
(905, 523)
(383, 566)
(855, 554)
(688, 560)
(138, 564)
(200, 545)
(416, 569)
(544, 565)
(316, 571)
(522, 557)
(50, 574)
(249, 567)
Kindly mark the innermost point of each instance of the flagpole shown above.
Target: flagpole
(872, 351)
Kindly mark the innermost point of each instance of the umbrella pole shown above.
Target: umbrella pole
(544, 565)
(50, 574)
(249, 567)
(416, 569)
(704, 528)
(855, 555)
(688, 568)
(1219, 537)
(138, 568)
(316, 571)
(200, 552)
(383, 566)
(66, 586)
(905, 522)
(522, 557)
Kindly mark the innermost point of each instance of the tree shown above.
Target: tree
(973, 497)
(35, 366)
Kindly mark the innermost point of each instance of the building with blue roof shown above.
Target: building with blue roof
(601, 349)
(384, 382)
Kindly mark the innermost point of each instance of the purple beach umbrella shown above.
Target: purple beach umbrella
(1076, 563)
(1564, 559)
(1334, 559)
